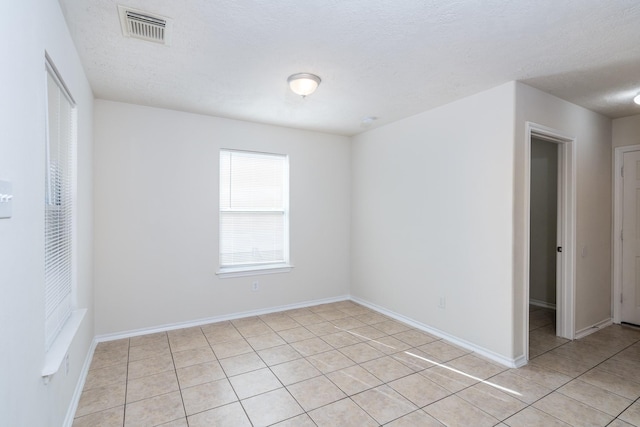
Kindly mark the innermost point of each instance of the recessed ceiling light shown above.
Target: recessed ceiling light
(637, 99)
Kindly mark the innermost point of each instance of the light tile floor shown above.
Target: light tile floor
(342, 364)
(542, 331)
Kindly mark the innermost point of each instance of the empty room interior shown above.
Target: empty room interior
(358, 213)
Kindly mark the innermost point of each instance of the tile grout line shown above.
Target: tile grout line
(126, 384)
(175, 371)
(227, 377)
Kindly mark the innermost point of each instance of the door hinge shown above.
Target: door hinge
(621, 298)
(621, 235)
(622, 171)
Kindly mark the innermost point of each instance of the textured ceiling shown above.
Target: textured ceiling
(389, 59)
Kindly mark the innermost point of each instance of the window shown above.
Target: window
(254, 217)
(58, 205)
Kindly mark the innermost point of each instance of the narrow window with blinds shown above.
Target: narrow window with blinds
(58, 205)
(254, 217)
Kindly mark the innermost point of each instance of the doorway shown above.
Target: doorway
(626, 244)
(550, 229)
(544, 245)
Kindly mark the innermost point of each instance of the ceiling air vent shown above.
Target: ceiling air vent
(144, 25)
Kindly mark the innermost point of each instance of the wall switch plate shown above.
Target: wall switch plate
(6, 199)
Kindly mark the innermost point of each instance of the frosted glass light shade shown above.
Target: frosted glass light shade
(637, 99)
(303, 84)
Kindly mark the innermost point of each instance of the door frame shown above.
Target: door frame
(616, 291)
(565, 283)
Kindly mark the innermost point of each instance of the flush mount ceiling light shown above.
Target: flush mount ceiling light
(637, 99)
(303, 84)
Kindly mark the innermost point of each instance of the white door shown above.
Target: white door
(631, 238)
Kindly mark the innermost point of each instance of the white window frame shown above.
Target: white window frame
(284, 266)
(62, 318)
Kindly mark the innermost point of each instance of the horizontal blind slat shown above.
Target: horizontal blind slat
(253, 220)
(58, 207)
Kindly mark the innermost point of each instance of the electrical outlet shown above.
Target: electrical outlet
(255, 286)
(442, 303)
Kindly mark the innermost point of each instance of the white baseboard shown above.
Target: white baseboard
(75, 399)
(512, 363)
(520, 361)
(543, 304)
(73, 406)
(594, 328)
(214, 319)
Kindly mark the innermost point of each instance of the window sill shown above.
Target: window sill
(225, 273)
(60, 347)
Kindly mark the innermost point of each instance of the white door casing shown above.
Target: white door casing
(565, 302)
(630, 295)
(616, 238)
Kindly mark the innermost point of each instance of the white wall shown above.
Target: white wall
(438, 211)
(156, 217)
(432, 217)
(543, 219)
(593, 203)
(30, 27)
(626, 131)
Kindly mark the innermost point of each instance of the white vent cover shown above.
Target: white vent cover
(144, 25)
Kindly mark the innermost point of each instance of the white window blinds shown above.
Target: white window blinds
(254, 225)
(58, 206)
